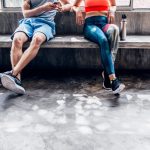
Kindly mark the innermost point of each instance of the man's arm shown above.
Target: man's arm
(28, 12)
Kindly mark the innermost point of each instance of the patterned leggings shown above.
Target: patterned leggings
(106, 35)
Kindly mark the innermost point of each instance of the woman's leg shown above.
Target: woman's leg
(95, 34)
(112, 33)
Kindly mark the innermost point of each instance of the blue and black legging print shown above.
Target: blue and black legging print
(106, 35)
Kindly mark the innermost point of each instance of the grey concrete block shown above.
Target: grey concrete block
(138, 22)
(76, 41)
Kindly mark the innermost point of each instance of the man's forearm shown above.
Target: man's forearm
(33, 12)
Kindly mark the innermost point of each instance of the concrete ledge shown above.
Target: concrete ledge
(80, 42)
(75, 52)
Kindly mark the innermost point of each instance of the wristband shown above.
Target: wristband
(112, 11)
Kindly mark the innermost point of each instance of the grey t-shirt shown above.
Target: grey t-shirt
(49, 15)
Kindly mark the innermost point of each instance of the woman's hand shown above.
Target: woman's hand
(111, 17)
(79, 15)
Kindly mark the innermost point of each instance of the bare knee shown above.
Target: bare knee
(18, 42)
(35, 45)
(37, 41)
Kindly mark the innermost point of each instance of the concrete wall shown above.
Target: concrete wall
(138, 22)
(81, 59)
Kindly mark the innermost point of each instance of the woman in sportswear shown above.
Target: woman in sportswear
(99, 28)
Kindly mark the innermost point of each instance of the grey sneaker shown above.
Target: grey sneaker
(7, 73)
(12, 83)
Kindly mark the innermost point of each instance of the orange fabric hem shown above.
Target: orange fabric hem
(96, 8)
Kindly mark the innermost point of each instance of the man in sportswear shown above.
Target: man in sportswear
(38, 26)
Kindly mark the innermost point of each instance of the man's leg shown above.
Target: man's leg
(9, 81)
(16, 50)
(30, 53)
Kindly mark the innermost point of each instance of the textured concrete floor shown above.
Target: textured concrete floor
(75, 113)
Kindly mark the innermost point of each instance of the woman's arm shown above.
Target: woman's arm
(77, 3)
(28, 12)
(112, 10)
(66, 5)
(113, 5)
(76, 6)
(79, 11)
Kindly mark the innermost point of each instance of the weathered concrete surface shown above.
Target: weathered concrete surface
(81, 59)
(74, 113)
(138, 22)
(78, 41)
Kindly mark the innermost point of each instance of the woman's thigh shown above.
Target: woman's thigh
(112, 33)
(94, 34)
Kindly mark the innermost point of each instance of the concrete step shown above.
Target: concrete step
(74, 41)
(75, 52)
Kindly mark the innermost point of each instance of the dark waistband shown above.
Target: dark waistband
(96, 19)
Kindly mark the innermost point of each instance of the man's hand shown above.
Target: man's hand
(111, 17)
(26, 5)
(79, 16)
(58, 6)
(28, 12)
(48, 6)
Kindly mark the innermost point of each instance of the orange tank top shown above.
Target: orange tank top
(97, 5)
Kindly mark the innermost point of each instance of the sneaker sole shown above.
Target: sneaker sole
(106, 87)
(103, 82)
(119, 89)
(1, 74)
(10, 84)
